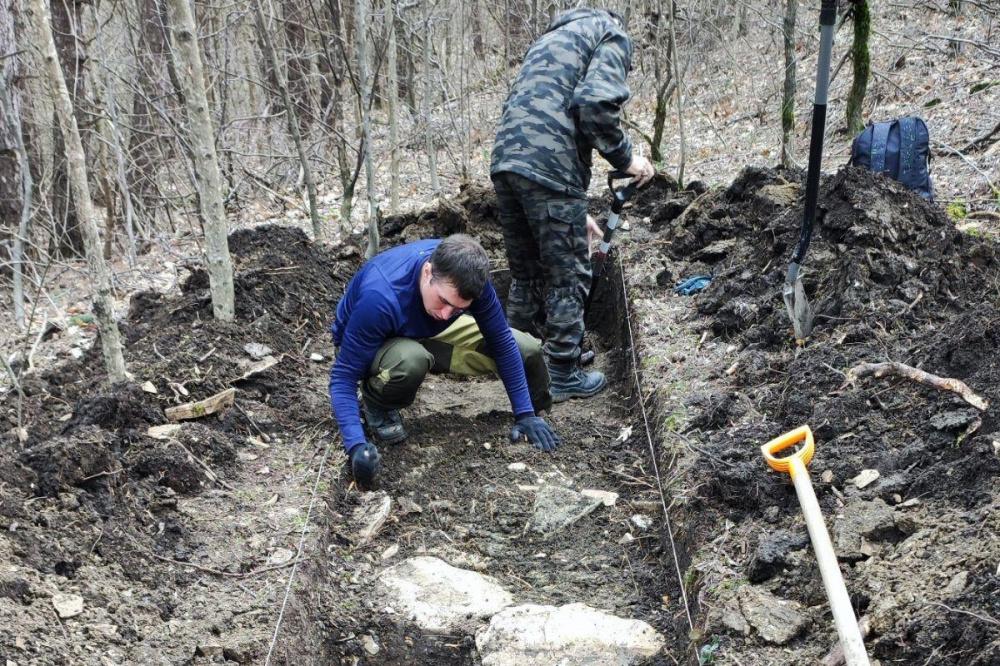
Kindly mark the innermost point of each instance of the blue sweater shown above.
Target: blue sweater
(383, 301)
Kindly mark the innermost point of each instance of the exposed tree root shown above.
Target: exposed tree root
(909, 372)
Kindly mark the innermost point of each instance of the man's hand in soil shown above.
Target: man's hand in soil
(641, 169)
(365, 464)
(536, 431)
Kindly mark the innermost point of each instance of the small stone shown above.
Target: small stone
(642, 522)
(167, 431)
(408, 506)
(913, 501)
(957, 584)
(827, 476)
(390, 552)
(280, 556)
(257, 350)
(605, 497)
(556, 508)
(776, 620)
(67, 605)
(865, 478)
(370, 646)
(627, 538)
(517, 467)
(316, 357)
(487, 446)
(149, 387)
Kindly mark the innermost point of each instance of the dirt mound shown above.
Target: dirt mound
(879, 253)
(890, 279)
(473, 211)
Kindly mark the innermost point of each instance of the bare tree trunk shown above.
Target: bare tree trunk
(15, 174)
(664, 77)
(207, 176)
(788, 92)
(65, 20)
(862, 66)
(103, 304)
(293, 120)
(393, 94)
(425, 102)
(680, 94)
(364, 81)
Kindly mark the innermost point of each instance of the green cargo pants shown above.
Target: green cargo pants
(401, 364)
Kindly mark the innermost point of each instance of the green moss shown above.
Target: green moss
(956, 210)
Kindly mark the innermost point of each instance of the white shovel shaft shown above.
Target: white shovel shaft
(836, 591)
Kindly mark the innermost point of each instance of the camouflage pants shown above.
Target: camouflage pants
(545, 234)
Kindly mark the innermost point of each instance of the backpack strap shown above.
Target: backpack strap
(880, 139)
(907, 150)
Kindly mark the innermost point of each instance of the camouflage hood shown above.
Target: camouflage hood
(566, 102)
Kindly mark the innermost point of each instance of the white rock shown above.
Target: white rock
(390, 552)
(257, 350)
(517, 467)
(642, 522)
(605, 497)
(371, 515)
(440, 598)
(370, 646)
(166, 431)
(316, 357)
(149, 387)
(67, 605)
(533, 635)
(281, 556)
(865, 478)
(557, 508)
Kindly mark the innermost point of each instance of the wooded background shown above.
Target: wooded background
(188, 115)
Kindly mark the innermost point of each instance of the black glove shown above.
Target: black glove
(536, 431)
(365, 464)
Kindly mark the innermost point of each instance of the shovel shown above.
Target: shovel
(598, 261)
(619, 198)
(836, 591)
(799, 310)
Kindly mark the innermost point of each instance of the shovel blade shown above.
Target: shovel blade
(799, 310)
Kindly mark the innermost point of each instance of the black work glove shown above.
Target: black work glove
(536, 431)
(365, 464)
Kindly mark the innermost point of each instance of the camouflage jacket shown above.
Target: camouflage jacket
(566, 102)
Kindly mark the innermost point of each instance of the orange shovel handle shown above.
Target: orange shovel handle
(801, 434)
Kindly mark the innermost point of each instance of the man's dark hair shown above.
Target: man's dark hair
(462, 261)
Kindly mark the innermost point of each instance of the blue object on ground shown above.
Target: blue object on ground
(692, 285)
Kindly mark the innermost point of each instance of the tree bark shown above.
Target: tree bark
(425, 101)
(788, 92)
(364, 81)
(862, 66)
(208, 178)
(393, 102)
(680, 95)
(293, 120)
(15, 175)
(103, 304)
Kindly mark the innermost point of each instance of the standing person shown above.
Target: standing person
(402, 316)
(565, 103)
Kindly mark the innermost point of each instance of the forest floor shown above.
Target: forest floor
(233, 537)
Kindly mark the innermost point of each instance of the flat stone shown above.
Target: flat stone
(954, 420)
(860, 520)
(438, 597)
(641, 521)
(533, 635)
(605, 497)
(776, 620)
(67, 605)
(257, 350)
(517, 467)
(556, 508)
(772, 553)
(370, 646)
(957, 584)
(149, 387)
(371, 515)
(166, 431)
(865, 478)
(315, 357)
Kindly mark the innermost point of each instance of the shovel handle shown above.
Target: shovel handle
(622, 194)
(786, 463)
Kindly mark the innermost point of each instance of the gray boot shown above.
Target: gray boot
(386, 425)
(569, 380)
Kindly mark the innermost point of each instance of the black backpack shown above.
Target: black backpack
(898, 148)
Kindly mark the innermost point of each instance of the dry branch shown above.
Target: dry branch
(909, 372)
(195, 410)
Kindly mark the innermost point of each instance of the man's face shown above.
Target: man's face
(441, 299)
